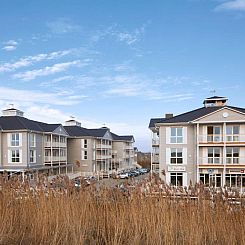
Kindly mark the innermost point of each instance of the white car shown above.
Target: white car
(123, 175)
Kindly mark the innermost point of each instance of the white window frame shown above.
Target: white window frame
(32, 140)
(32, 156)
(232, 137)
(176, 154)
(176, 175)
(214, 159)
(232, 155)
(175, 136)
(14, 141)
(11, 157)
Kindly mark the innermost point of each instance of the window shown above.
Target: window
(84, 155)
(176, 135)
(85, 143)
(62, 152)
(232, 133)
(15, 139)
(32, 156)
(214, 155)
(232, 155)
(214, 133)
(32, 140)
(62, 140)
(235, 180)
(176, 179)
(176, 156)
(211, 179)
(15, 156)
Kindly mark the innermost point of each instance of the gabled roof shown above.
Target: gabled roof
(22, 123)
(193, 115)
(76, 131)
(122, 137)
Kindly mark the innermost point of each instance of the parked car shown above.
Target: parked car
(123, 175)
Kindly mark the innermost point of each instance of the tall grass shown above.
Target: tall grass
(108, 216)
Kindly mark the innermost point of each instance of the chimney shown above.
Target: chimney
(169, 115)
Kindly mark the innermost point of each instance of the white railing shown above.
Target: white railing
(211, 160)
(235, 138)
(155, 141)
(54, 158)
(219, 160)
(55, 144)
(220, 138)
(102, 146)
(155, 159)
(210, 138)
(102, 157)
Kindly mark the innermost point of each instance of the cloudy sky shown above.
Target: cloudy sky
(119, 62)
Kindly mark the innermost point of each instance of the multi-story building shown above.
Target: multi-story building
(206, 144)
(123, 151)
(98, 150)
(28, 145)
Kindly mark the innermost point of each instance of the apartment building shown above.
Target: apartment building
(123, 154)
(27, 145)
(98, 150)
(206, 144)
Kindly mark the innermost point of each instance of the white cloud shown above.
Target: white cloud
(33, 96)
(62, 26)
(232, 5)
(30, 60)
(48, 70)
(10, 45)
(128, 37)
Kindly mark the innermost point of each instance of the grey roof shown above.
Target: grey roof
(76, 131)
(22, 123)
(192, 115)
(153, 121)
(122, 137)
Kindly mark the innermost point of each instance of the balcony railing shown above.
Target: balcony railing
(54, 144)
(102, 146)
(54, 158)
(103, 157)
(220, 160)
(155, 159)
(155, 141)
(220, 138)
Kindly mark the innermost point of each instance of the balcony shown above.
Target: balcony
(103, 157)
(48, 144)
(220, 139)
(155, 142)
(220, 161)
(102, 146)
(55, 158)
(155, 159)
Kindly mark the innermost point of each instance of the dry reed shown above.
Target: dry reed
(66, 215)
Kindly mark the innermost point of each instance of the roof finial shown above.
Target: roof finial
(11, 106)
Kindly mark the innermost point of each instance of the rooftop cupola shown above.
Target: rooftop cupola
(11, 111)
(72, 122)
(215, 101)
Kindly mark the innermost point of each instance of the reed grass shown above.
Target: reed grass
(108, 216)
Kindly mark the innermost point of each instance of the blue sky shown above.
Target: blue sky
(120, 63)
